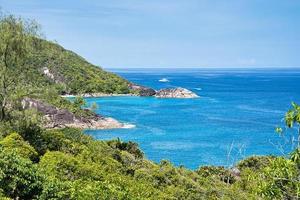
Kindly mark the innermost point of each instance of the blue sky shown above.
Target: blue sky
(171, 33)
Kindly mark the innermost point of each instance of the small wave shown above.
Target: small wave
(164, 80)
(128, 126)
(239, 121)
(213, 100)
(147, 112)
(168, 145)
(198, 89)
(256, 109)
(156, 131)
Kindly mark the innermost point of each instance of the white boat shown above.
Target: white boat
(164, 80)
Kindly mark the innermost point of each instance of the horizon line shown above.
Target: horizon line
(183, 68)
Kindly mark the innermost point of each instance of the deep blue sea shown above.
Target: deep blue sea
(235, 116)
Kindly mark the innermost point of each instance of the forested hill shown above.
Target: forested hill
(72, 73)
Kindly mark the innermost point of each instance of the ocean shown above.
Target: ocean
(235, 116)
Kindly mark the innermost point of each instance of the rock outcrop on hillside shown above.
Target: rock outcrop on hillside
(52, 76)
(175, 93)
(61, 118)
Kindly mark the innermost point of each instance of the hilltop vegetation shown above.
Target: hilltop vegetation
(72, 73)
(45, 63)
(38, 163)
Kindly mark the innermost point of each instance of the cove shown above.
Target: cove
(235, 116)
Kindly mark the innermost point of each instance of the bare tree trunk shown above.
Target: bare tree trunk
(4, 85)
(2, 111)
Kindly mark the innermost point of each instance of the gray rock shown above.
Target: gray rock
(57, 78)
(175, 93)
(60, 118)
(142, 90)
(235, 171)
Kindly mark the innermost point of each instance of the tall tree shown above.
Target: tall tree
(17, 37)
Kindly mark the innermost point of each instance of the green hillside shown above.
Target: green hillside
(73, 73)
(66, 70)
(34, 67)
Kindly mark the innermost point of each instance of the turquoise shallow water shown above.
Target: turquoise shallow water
(235, 116)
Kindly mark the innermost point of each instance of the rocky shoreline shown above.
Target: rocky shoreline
(87, 95)
(62, 118)
(146, 92)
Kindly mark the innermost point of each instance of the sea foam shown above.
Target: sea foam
(127, 126)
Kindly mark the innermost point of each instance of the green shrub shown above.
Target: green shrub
(215, 171)
(280, 180)
(15, 143)
(255, 162)
(19, 178)
(130, 147)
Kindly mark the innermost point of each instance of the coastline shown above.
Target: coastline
(104, 123)
(87, 95)
(60, 118)
(179, 92)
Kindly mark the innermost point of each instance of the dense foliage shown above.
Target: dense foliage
(41, 63)
(36, 163)
(67, 164)
(72, 74)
